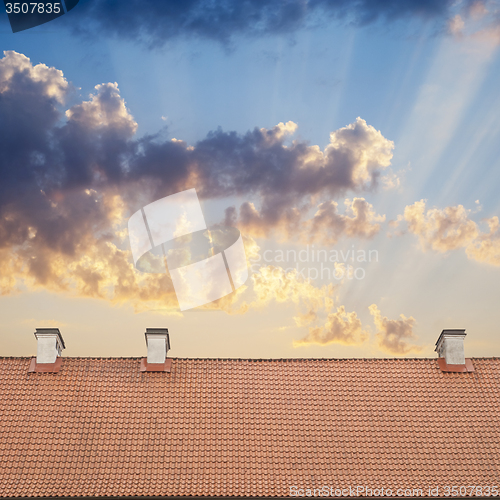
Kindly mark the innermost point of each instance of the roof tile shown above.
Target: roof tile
(213, 427)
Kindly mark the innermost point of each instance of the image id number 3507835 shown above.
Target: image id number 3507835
(33, 8)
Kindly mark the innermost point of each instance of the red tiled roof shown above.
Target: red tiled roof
(215, 427)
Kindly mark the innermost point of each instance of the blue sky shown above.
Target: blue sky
(427, 81)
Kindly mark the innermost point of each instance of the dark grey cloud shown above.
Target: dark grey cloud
(155, 22)
(96, 146)
(45, 166)
(45, 149)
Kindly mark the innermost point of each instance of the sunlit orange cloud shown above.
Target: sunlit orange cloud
(274, 284)
(106, 272)
(452, 228)
(486, 247)
(394, 336)
(440, 229)
(341, 327)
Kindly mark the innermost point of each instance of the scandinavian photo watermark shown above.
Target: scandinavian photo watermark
(312, 263)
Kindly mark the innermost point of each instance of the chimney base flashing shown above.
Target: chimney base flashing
(156, 367)
(467, 367)
(44, 367)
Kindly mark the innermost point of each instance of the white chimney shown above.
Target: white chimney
(450, 346)
(158, 344)
(49, 345)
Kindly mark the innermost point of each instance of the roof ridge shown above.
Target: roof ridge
(246, 359)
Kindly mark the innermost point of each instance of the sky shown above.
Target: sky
(354, 145)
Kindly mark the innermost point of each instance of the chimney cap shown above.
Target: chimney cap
(457, 332)
(159, 332)
(44, 332)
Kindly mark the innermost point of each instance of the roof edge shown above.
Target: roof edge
(207, 498)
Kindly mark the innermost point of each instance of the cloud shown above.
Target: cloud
(253, 222)
(440, 229)
(486, 247)
(394, 335)
(476, 9)
(105, 109)
(303, 319)
(391, 180)
(274, 284)
(451, 228)
(456, 25)
(260, 162)
(19, 77)
(327, 226)
(341, 328)
(79, 254)
(36, 153)
(364, 148)
(478, 21)
(154, 23)
(489, 34)
(287, 179)
(56, 231)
